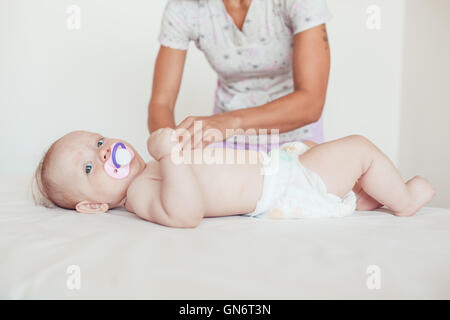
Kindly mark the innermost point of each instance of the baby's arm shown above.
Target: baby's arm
(180, 192)
(176, 200)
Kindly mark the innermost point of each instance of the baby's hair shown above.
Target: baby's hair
(45, 192)
(38, 185)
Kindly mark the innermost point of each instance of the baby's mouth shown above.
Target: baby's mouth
(118, 164)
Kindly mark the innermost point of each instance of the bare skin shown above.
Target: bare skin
(342, 163)
(237, 9)
(227, 189)
(220, 190)
(364, 202)
(182, 194)
(96, 191)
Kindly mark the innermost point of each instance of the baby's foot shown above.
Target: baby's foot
(421, 192)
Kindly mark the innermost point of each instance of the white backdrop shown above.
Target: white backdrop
(99, 77)
(425, 112)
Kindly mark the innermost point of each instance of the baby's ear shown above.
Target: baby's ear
(90, 207)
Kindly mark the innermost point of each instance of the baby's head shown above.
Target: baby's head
(86, 172)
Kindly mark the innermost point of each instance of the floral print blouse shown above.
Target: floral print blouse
(254, 65)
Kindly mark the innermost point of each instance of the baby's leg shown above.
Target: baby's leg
(340, 163)
(363, 200)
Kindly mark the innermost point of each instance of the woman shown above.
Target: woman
(272, 60)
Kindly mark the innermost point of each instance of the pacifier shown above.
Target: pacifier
(118, 164)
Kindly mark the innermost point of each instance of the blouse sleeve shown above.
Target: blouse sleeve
(306, 14)
(175, 30)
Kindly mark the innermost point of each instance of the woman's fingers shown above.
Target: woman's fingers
(197, 136)
(211, 135)
(186, 123)
(208, 139)
(183, 137)
(190, 135)
(186, 130)
(199, 131)
(200, 136)
(183, 130)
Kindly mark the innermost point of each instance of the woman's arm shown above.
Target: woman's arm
(311, 67)
(167, 77)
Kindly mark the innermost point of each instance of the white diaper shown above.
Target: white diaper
(292, 191)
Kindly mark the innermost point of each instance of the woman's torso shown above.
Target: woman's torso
(254, 65)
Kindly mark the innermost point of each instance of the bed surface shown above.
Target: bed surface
(122, 256)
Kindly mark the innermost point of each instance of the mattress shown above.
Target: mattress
(60, 254)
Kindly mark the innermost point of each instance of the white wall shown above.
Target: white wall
(54, 80)
(99, 78)
(364, 87)
(425, 130)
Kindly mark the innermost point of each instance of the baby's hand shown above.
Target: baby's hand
(162, 142)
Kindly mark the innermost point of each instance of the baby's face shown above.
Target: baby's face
(79, 166)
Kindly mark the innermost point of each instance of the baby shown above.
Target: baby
(91, 174)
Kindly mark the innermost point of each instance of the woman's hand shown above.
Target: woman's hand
(162, 142)
(204, 130)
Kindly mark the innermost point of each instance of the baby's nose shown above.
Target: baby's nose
(105, 154)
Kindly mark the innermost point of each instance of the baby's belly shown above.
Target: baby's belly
(231, 181)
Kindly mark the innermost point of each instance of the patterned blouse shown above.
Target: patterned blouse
(254, 65)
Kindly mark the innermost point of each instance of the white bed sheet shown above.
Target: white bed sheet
(122, 256)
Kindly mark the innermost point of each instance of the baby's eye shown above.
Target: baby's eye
(88, 168)
(100, 143)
